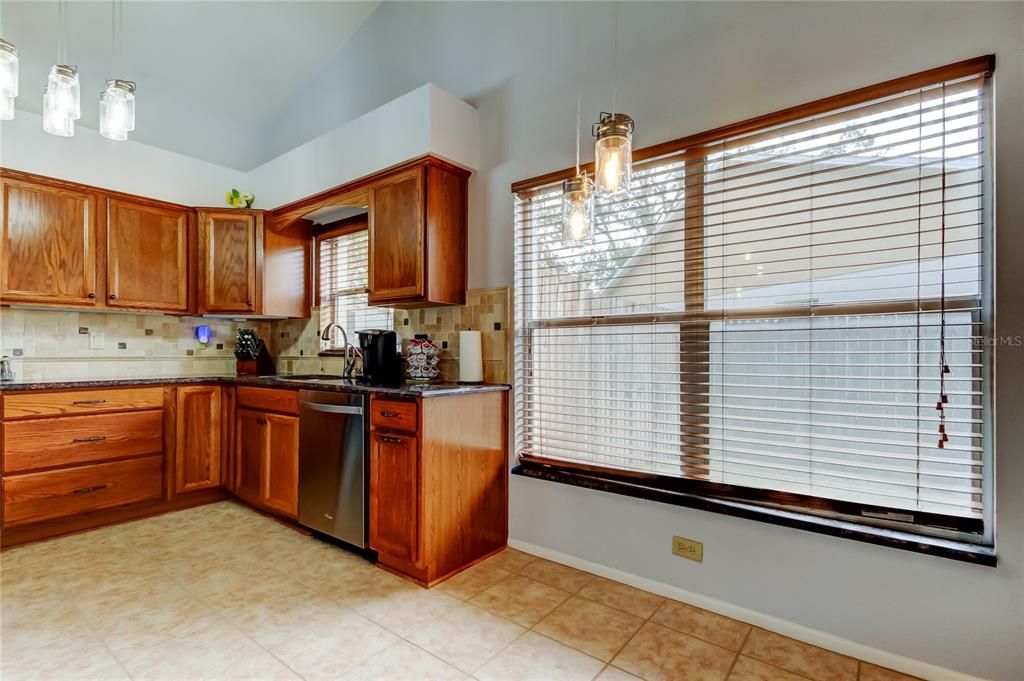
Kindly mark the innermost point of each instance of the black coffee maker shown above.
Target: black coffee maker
(381, 363)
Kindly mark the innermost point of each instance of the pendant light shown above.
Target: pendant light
(578, 191)
(62, 101)
(117, 101)
(613, 148)
(8, 79)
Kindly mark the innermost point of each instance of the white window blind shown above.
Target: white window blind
(343, 278)
(770, 312)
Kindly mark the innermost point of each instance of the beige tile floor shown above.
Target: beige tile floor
(221, 592)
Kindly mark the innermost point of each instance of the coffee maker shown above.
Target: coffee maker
(381, 363)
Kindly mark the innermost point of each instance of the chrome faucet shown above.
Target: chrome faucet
(351, 351)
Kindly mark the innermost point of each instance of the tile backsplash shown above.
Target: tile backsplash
(55, 344)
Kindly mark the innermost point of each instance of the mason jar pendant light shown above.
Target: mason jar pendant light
(117, 109)
(8, 79)
(578, 191)
(62, 101)
(613, 148)
(117, 101)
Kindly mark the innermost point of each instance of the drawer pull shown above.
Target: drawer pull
(390, 414)
(89, 402)
(391, 439)
(94, 438)
(86, 490)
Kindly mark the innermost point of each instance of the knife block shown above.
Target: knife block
(263, 365)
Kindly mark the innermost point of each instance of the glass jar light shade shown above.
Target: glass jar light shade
(8, 79)
(577, 208)
(613, 154)
(117, 109)
(62, 102)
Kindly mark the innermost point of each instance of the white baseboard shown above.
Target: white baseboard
(821, 639)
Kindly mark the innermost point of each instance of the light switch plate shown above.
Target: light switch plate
(95, 341)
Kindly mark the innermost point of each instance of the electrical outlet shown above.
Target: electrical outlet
(95, 340)
(688, 548)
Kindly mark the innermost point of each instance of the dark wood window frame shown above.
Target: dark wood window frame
(837, 518)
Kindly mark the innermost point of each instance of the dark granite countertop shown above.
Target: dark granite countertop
(286, 382)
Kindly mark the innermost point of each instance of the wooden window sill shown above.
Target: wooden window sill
(936, 546)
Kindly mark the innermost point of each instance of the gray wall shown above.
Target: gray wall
(685, 68)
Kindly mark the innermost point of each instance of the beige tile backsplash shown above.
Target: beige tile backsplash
(49, 345)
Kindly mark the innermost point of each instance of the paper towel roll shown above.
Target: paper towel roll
(471, 363)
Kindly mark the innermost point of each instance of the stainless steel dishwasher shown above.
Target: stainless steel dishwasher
(332, 465)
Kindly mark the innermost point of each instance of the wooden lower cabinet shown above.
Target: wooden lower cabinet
(267, 460)
(394, 495)
(281, 464)
(198, 439)
(439, 498)
(53, 494)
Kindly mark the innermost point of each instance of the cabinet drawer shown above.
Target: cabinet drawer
(268, 399)
(74, 440)
(33, 497)
(29, 405)
(393, 415)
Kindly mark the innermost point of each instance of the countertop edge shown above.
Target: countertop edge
(278, 382)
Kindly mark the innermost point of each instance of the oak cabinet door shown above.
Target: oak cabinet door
(147, 256)
(394, 496)
(47, 245)
(281, 464)
(397, 237)
(250, 442)
(197, 442)
(229, 245)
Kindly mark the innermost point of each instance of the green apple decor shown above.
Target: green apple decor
(238, 199)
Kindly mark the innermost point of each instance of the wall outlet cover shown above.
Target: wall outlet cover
(688, 548)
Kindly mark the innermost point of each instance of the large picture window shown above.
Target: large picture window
(770, 310)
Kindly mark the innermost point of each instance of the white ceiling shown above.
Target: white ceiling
(210, 75)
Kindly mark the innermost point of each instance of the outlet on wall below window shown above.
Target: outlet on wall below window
(688, 548)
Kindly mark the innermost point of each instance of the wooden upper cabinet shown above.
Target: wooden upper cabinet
(48, 245)
(417, 229)
(147, 256)
(396, 237)
(197, 437)
(246, 267)
(230, 243)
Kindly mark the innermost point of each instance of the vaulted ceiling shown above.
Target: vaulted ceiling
(211, 75)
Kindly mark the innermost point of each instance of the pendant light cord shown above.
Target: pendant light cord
(61, 47)
(579, 95)
(615, 52)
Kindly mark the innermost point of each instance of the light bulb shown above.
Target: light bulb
(56, 121)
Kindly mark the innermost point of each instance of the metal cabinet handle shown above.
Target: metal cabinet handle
(391, 439)
(249, 303)
(91, 295)
(113, 296)
(86, 490)
(94, 438)
(89, 402)
(390, 414)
